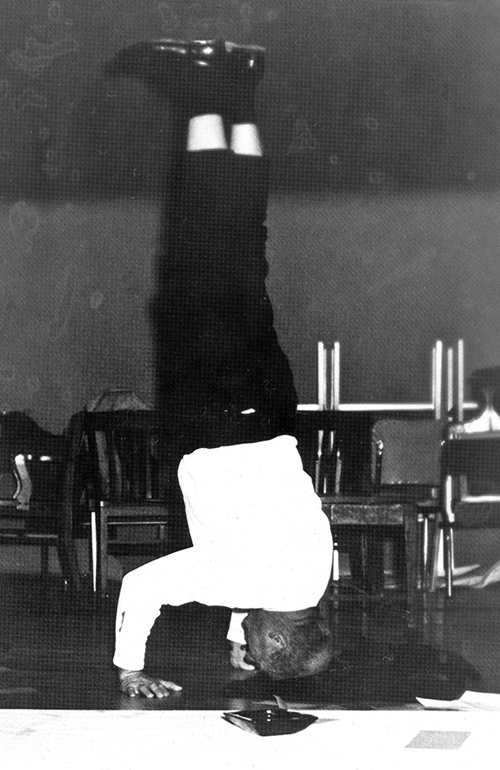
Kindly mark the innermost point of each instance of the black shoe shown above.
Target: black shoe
(143, 60)
(245, 69)
(191, 73)
(246, 61)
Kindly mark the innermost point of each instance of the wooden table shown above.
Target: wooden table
(381, 511)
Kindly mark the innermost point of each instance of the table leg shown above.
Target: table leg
(412, 560)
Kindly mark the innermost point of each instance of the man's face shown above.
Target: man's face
(259, 643)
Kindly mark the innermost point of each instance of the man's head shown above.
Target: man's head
(288, 644)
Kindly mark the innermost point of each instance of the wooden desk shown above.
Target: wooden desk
(381, 511)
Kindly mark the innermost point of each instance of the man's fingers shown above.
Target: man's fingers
(160, 689)
(246, 666)
(237, 657)
(142, 684)
(148, 690)
(151, 691)
(242, 664)
(170, 685)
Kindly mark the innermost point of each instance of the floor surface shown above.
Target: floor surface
(56, 652)
(351, 740)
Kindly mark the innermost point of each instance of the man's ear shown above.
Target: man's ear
(278, 640)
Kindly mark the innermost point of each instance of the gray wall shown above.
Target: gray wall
(381, 121)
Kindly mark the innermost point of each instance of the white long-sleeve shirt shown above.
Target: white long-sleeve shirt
(260, 541)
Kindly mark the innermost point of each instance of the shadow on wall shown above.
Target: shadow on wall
(365, 96)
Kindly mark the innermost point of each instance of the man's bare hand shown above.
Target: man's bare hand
(237, 656)
(134, 683)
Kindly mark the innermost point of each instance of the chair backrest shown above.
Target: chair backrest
(470, 487)
(31, 461)
(407, 453)
(474, 460)
(124, 456)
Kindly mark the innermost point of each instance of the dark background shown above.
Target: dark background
(381, 121)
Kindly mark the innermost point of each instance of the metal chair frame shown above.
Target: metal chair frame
(465, 454)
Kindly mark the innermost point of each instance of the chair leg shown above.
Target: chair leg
(66, 551)
(428, 544)
(356, 562)
(446, 563)
(69, 565)
(424, 550)
(363, 559)
(448, 548)
(437, 558)
(411, 550)
(44, 558)
(374, 563)
(93, 549)
(366, 561)
(99, 550)
(443, 558)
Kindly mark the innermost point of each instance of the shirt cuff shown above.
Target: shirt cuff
(121, 661)
(235, 631)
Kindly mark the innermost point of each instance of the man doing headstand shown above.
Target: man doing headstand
(261, 543)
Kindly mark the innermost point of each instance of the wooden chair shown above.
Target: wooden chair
(124, 480)
(32, 504)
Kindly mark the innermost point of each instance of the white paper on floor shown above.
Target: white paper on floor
(438, 739)
(458, 575)
(492, 575)
(469, 701)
